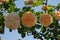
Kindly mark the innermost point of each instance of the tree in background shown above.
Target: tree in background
(47, 20)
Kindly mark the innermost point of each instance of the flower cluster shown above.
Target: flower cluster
(28, 19)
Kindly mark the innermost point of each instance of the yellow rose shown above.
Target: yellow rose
(45, 19)
(57, 15)
(28, 19)
(44, 7)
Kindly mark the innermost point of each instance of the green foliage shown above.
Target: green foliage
(25, 9)
(51, 32)
(37, 2)
(1, 23)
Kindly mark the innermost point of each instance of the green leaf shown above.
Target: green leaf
(16, 9)
(23, 35)
(11, 1)
(43, 29)
(38, 14)
(12, 6)
(38, 2)
(6, 6)
(2, 29)
(1, 24)
(58, 37)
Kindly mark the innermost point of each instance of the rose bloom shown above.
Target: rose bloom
(4, 0)
(45, 19)
(57, 15)
(28, 1)
(44, 7)
(28, 19)
(12, 20)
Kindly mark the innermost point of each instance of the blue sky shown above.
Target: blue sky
(14, 34)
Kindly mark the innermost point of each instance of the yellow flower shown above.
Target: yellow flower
(4, 0)
(28, 1)
(45, 19)
(44, 7)
(57, 15)
(28, 19)
(12, 20)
